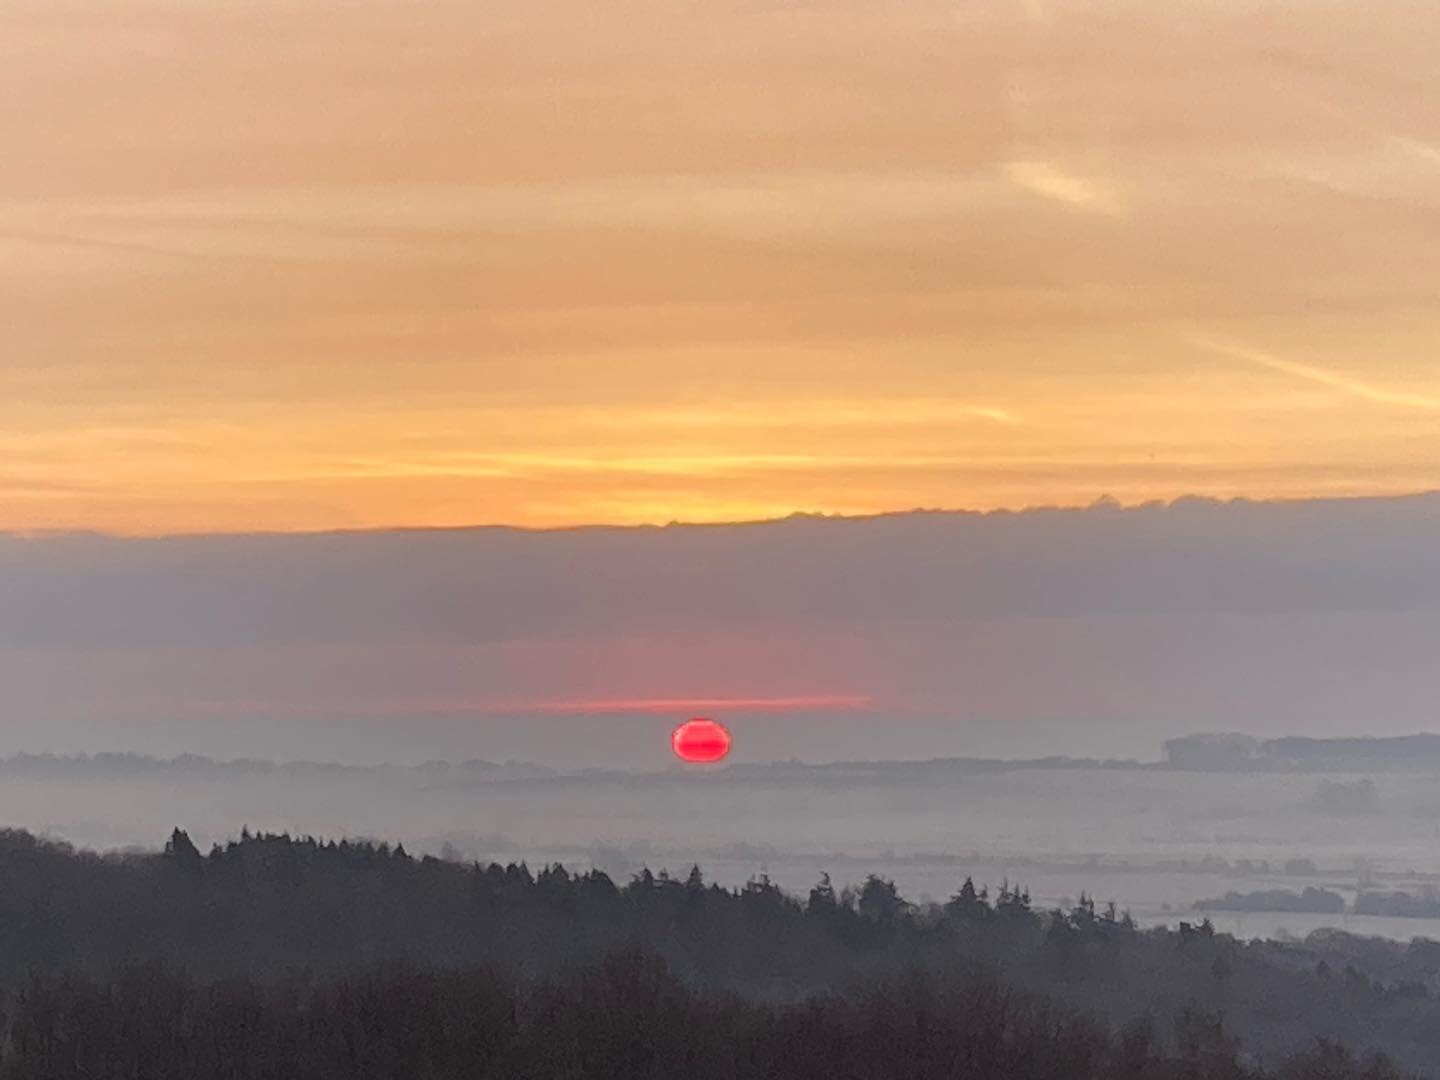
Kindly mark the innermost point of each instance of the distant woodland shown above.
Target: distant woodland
(277, 956)
(1226, 751)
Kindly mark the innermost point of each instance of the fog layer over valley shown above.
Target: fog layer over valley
(1157, 837)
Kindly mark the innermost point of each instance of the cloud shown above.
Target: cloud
(1356, 388)
(1050, 182)
(1427, 152)
(671, 706)
(1086, 628)
(1035, 12)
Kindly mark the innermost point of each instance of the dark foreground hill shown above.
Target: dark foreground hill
(625, 1019)
(283, 957)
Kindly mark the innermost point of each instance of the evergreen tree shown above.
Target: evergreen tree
(181, 850)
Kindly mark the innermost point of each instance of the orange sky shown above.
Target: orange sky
(297, 266)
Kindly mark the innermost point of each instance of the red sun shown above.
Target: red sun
(700, 742)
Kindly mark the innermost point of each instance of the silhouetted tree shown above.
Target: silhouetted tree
(822, 901)
(968, 905)
(181, 850)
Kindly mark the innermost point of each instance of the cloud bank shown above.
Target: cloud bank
(1090, 632)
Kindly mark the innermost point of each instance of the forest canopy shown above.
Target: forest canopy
(302, 931)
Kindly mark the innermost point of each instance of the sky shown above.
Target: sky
(277, 266)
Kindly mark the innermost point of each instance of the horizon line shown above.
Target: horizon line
(185, 758)
(1104, 503)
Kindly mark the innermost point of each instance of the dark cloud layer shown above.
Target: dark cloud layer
(1101, 624)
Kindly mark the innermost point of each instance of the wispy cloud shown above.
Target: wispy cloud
(799, 703)
(1048, 181)
(761, 202)
(1427, 152)
(1321, 376)
(477, 706)
(1035, 12)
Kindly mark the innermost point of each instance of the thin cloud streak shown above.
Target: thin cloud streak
(1050, 182)
(1346, 384)
(1426, 151)
(800, 703)
(519, 465)
(141, 706)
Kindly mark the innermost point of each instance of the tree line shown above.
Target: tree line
(626, 1018)
(294, 931)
